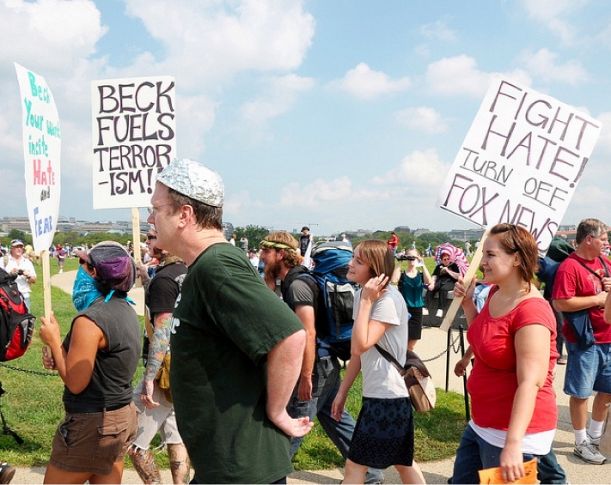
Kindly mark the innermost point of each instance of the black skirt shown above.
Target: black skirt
(384, 433)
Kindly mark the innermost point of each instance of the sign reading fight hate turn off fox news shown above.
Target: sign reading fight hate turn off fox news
(520, 161)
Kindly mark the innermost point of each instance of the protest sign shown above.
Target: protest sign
(520, 161)
(41, 152)
(133, 137)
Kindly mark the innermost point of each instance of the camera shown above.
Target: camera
(20, 272)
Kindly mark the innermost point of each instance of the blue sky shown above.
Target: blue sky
(333, 113)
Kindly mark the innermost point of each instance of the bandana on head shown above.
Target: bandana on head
(275, 245)
(84, 291)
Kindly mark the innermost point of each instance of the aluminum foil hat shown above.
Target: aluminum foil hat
(112, 263)
(192, 179)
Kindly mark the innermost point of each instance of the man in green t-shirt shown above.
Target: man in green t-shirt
(236, 348)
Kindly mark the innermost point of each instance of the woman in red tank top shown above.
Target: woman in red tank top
(513, 340)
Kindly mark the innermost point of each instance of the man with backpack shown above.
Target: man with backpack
(582, 283)
(17, 264)
(320, 371)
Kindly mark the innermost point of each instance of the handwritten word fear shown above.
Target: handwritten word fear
(42, 176)
(42, 225)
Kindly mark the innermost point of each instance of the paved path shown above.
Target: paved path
(432, 344)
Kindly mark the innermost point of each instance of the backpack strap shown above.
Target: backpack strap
(604, 265)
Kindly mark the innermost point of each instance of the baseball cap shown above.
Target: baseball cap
(112, 263)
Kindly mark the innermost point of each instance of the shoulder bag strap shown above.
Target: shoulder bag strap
(594, 272)
(390, 359)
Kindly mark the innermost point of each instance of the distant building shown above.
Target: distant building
(420, 231)
(465, 235)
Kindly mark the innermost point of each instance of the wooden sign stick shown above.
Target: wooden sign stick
(467, 278)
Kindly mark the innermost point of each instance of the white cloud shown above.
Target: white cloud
(438, 30)
(282, 94)
(460, 75)
(422, 118)
(604, 141)
(421, 169)
(553, 14)
(48, 35)
(365, 83)
(212, 40)
(321, 192)
(543, 64)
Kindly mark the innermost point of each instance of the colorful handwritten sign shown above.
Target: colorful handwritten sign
(41, 152)
(133, 136)
(520, 162)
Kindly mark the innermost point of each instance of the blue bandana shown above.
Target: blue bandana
(84, 291)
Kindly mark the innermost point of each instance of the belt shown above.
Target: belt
(73, 408)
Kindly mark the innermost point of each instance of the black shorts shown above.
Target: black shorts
(384, 433)
(414, 324)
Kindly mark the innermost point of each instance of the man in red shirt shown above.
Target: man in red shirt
(582, 282)
(393, 242)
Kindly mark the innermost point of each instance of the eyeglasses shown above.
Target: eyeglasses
(153, 210)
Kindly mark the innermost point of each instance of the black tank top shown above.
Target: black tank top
(114, 367)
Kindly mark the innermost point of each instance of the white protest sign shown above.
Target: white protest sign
(41, 152)
(520, 162)
(133, 137)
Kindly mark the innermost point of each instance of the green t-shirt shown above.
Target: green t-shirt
(226, 321)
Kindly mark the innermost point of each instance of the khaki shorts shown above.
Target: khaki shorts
(93, 442)
(151, 421)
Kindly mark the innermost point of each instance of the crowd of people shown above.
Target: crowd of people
(236, 373)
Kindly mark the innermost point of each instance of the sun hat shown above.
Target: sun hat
(194, 180)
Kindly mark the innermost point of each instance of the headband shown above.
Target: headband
(275, 245)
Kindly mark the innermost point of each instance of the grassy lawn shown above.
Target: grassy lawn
(33, 406)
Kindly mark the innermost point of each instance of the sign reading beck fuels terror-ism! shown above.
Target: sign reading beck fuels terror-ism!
(134, 138)
(520, 162)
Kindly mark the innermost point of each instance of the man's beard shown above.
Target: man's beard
(272, 270)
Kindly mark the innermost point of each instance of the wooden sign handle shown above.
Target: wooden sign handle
(467, 278)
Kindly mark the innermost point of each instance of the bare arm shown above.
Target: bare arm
(283, 367)
(608, 308)
(366, 332)
(577, 303)
(307, 317)
(354, 367)
(426, 276)
(532, 359)
(75, 367)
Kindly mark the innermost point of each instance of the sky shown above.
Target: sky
(336, 114)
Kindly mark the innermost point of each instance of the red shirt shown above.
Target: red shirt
(572, 279)
(393, 241)
(493, 381)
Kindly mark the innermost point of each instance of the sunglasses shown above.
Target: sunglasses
(411, 258)
(150, 236)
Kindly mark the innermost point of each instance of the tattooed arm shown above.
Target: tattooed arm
(158, 347)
